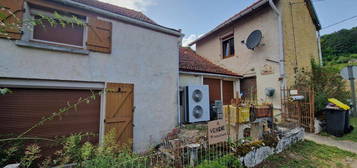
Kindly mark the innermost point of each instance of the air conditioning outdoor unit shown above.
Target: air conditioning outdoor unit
(197, 104)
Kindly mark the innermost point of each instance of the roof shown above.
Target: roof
(192, 62)
(117, 10)
(252, 8)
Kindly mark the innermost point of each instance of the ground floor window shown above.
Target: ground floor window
(248, 88)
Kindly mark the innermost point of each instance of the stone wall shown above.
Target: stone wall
(257, 156)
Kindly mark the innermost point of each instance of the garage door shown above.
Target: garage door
(25, 107)
(228, 92)
(214, 89)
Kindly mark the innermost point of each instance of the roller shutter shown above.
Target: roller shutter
(25, 107)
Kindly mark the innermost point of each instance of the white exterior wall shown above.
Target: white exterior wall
(186, 80)
(146, 58)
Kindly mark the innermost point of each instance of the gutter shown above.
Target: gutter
(210, 74)
(121, 17)
(281, 44)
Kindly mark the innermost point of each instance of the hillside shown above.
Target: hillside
(340, 47)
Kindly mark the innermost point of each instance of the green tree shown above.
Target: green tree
(339, 47)
(326, 83)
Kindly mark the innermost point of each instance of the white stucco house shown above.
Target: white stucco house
(120, 49)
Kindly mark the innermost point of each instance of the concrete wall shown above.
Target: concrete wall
(300, 38)
(186, 80)
(146, 58)
(246, 61)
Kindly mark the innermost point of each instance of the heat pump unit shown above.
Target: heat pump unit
(197, 104)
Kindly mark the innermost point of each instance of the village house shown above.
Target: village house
(120, 51)
(286, 37)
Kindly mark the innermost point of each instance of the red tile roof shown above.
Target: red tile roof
(192, 62)
(117, 10)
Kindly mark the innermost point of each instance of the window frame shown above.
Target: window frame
(34, 12)
(223, 40)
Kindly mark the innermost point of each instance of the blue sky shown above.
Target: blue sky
(196, 17)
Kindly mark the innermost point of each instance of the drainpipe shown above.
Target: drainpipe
(179, 45)
(281, 44)
(319, 47)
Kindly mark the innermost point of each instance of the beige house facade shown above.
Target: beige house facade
(289, 41)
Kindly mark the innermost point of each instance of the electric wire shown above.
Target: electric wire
(344, 20)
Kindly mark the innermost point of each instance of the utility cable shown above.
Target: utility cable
(339, 22)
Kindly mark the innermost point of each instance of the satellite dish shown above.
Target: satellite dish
(254, 39)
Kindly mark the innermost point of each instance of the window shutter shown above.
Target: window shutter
(99, 35)
(17, 8)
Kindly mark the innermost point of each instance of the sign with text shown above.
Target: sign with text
(217, 131)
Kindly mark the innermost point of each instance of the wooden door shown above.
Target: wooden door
(119, 111)
(228, 92)
(214, 89)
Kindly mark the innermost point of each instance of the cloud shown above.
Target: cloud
(139, 5)
(188, 39)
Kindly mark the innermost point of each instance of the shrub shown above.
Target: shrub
(326, 83)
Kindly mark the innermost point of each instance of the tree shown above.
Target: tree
(339, 47)
(326, 83)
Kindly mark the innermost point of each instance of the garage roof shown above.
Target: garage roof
(190, 61)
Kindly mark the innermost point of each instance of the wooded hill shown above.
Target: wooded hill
(340, 47)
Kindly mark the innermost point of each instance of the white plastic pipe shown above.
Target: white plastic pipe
(281, 44)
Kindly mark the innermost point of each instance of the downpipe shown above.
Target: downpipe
(281, 44)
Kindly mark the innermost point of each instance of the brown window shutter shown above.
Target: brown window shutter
(17, 8)
(99, 35)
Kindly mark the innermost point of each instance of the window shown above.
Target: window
(95, 35)
(69, 35)
(228, 47)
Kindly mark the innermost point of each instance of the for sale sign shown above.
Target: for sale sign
(217, 131)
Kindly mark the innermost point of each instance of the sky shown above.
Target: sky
(196, 17)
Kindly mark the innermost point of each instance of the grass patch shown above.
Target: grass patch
(352, 136)
(309, 154)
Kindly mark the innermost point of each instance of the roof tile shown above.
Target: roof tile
(192, 62)
(117, 10)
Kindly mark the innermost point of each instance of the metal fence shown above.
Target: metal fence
(298, 112)
(188, 156)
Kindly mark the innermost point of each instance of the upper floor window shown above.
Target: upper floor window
(84, 31)
(228, 47)
(65, 35)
